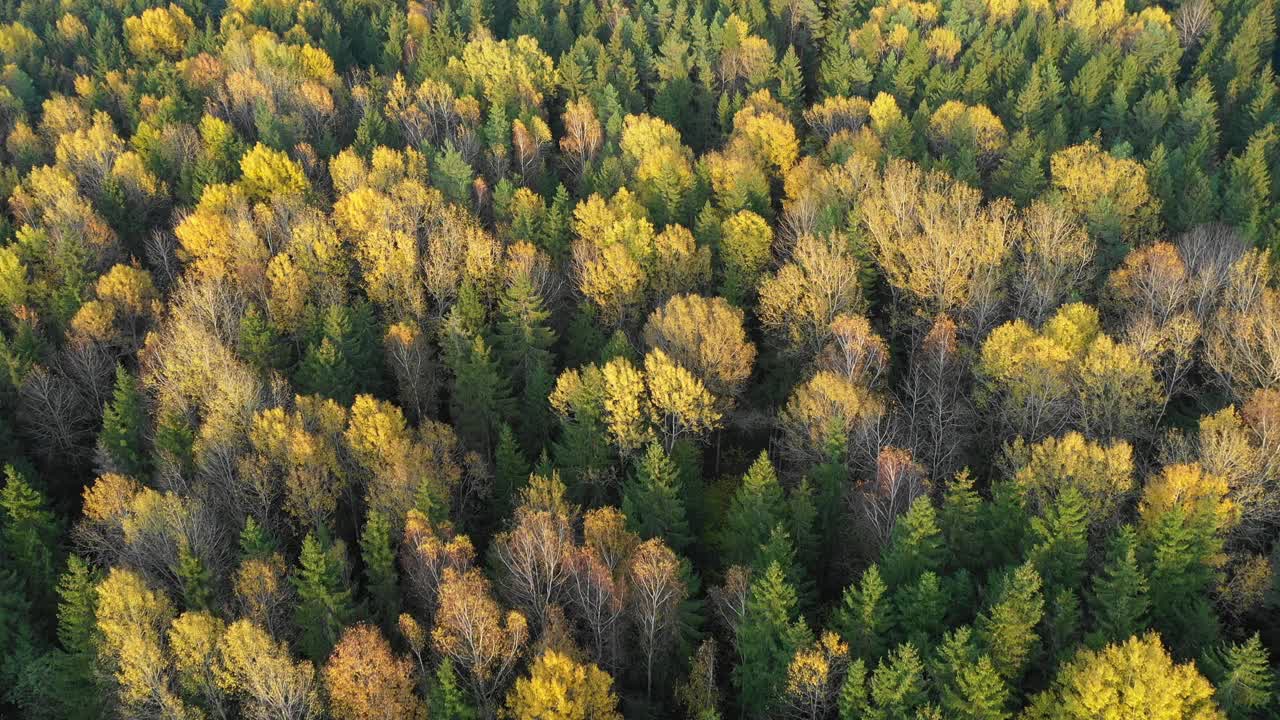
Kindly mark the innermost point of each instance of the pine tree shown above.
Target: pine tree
(324, 602)
(124, 422)
(757, 507)
(378, 554)
(767, 637)
(78, 635)
(863, 618)
(852, 702)
(1120, 601)
(324, 371)
(522, 344)
(1243, 677)
(29, 532)
(959, 520)
(1004, 520)
(779, 550)
(1007, 629)
(897, 687)
(447, 699)
(915, 546)
(1061, 541)
(193, 577)
(968, 685)
(653, 501)
(255, 541)
(511, 471)
(802, 518)
(481, 397)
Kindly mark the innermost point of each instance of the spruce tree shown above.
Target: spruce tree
(915, 546)
(260, 343)
(767, 638)
(863, 618)
(447, 699)
(1243, 677)
(511, 471)
(1119, 601)
(654, 502)
(897, 687)
(324, 602)
(959, 520)
(255, 542)
(194, 579)
(29, 533)
(324, 371)
(124, 424)
(1007, 629)
(481, 397)
(852, 703)
(1061, 542)
(757, 507)
(921, 609)
(378, 554)
(522, 345)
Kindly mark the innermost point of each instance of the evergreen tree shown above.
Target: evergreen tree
(481, 396)
(852, 703)
(1243, 676)
(447, 699)
(767, 638)
(378, 554)
(915, 546)
(1061, 541)
(324, 601)
(259, 343)
(921, 609)
(1007, 629)
(522, 344)
(1062, 625)
(779, 550)
(511, 471)
(255, 541)
(654, 503)
(29, 532)
(1120, 600)
(802, 517)
(124, 423)
(757, 507)
(1004, 520)
(897, 687)
(968, 685)
(193, 577)
(863, 618)
(959, 520)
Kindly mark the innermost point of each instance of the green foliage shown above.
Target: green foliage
(324, 601)
(381, 581)
(124, 426)
(757, 508)
(768, 636)
(653, 500)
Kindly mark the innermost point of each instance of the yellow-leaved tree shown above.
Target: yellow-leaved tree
(559, 688)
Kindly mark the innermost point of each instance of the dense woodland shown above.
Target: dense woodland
(589, 359)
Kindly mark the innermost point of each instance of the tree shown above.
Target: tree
(324, 600)
(380, 567)
(897, 687)
(1120, 600)
(481, 396)
(863, 618)
(474, 634)
(365, 681)
(124, 425)
(815, 677)
(656, 591)
(767, 638)
(915, 546)
(757, 508)
(746, 246)
(706, 337)
(1242, 676)
(1061, 541)
(522, 343)
(258, 669)
(653, 501)
(29, 532)
(1133, 679)
(558, 688)
(1007, 628)
(446, 701)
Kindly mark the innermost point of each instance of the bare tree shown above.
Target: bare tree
(655, 594)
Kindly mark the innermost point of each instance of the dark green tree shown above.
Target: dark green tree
(768, 636)
(653, 500)
(757, 507)
(1119, 600)
(522, 344)
(194, 578)
(1243, 676)
(124, 427)
(915, 546)
(863, 617)
(324, 600)
(1007, 629)
(447, 699)
(1060, 540)
(381, 581)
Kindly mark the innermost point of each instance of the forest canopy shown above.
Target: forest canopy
(591, 359)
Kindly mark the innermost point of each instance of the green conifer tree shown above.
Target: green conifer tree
(768, 636)
(653, 500)
(757, 507)
(1007, 629)
(915, 546)
(379, 556)
(863, 618)
(124, 425)
(324, 601)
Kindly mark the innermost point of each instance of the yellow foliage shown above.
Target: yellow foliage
(1103, 474)
(1109, 192)
(266, 172)
(159, 32)
(624, 407)
(1187, 488)
(558, 688)
(681, 403)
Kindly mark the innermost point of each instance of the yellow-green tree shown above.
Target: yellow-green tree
(559, 688)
